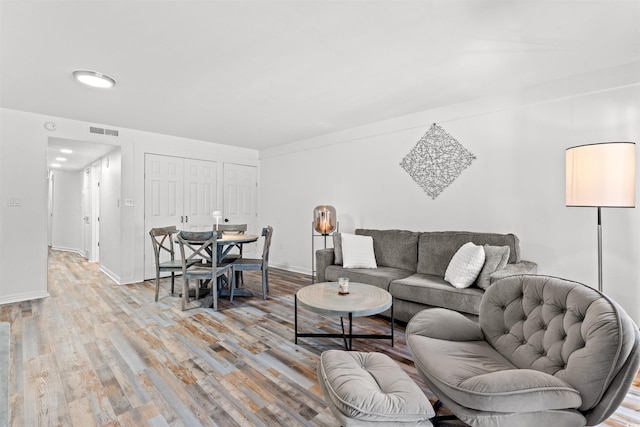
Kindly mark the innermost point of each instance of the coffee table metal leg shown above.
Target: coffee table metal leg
(344, 336)
(392, 323)
(350, 330)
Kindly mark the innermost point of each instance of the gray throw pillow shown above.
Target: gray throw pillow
(495, 258)
(337, 248)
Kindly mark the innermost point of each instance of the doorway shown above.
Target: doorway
(74, 195)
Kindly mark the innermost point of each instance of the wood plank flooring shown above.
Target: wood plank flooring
(98, 354)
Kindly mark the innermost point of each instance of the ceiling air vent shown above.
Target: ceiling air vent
(101, 131)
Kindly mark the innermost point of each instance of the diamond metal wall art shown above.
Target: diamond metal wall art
(436, 161)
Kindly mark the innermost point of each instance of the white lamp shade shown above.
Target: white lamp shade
(601, 175)
(217, 214)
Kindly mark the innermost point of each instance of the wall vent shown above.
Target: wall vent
(101, 131)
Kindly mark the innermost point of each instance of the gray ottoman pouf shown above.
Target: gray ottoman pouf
(370, 389)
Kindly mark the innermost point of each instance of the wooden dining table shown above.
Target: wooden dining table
(230, 240)
(224, 244)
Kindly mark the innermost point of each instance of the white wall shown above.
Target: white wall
(110, 215)
(23, 229)
(516, 184)
(23, 173)
(67, 211)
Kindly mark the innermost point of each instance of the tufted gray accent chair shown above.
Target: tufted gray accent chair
(546, 351)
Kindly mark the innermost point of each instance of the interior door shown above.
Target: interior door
(240, 201)
(86, 213)
(200, 194)
(96, 170)
(163, 199)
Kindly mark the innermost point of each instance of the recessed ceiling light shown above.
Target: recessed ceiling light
(55, 165)
(94, 78)
(61, 159)
(66, 151)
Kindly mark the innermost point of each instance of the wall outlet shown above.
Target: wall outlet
(14, 201)
(128, 202)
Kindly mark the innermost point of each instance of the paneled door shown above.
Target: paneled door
(240, 201)
(200, 194)
(180, 192)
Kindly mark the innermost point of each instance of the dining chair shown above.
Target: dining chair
(162, 241)
(201, 264)
(236, 229)
(231, 228)
(258, 264)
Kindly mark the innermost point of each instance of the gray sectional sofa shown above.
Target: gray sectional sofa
(412, 265)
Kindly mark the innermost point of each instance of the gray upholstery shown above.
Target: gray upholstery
(436, 249)
(394, 248)
(545, 350)
(368, 389)
(433, 290)
(380, 277)
(412, 265)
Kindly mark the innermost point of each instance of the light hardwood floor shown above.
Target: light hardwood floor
(98, 354)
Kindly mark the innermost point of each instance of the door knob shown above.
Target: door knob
(226, 220)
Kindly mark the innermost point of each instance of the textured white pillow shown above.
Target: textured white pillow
(465, 265)
(357, 251)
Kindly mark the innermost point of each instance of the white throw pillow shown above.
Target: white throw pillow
(357, 251)
(465, 266)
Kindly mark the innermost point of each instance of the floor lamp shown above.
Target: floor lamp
(603, 176)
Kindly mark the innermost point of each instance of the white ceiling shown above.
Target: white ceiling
(258, 74)
(83, 153)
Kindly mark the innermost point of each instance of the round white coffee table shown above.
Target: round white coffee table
(362, 300)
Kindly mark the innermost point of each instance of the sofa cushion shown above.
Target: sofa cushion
(464, 267)
(371, 387)
(337, 248)
(394, 248)
(435, 249)
(495, 258)
(357, 251)
(433, 290)
(380, 277)
(487, 381)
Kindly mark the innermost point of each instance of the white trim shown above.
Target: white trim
(27, 296)
(294, 269)
(111, 275)
(74, 250)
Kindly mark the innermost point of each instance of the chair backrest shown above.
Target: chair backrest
(267, 232)
(231, 228)
(196, 246)
(162, 241)
(565, 329)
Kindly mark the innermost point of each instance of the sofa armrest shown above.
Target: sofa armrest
(443, 324)
(522, 267)
(324, 258)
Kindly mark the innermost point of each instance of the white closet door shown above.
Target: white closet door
(240, 201)
(200, 194)
(163, 199)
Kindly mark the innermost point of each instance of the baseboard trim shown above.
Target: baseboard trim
(111, 275)
(27, 296)
(74, 250)
(293, 269)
